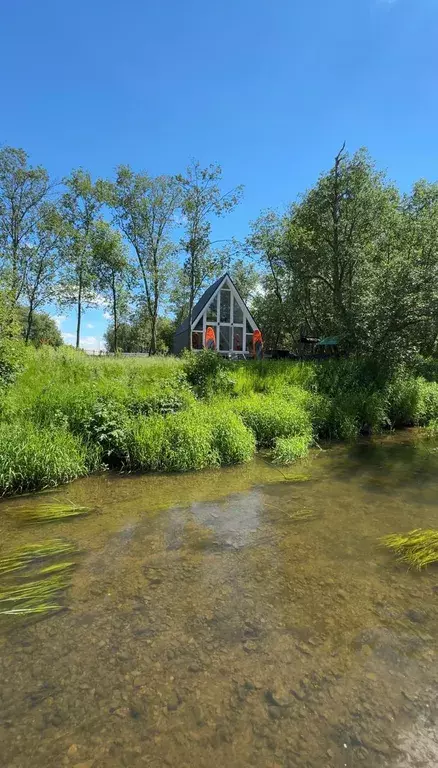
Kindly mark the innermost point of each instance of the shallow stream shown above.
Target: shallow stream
(239, 617)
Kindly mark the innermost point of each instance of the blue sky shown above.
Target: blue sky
(268, 88)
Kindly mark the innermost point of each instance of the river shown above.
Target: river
(240, 617)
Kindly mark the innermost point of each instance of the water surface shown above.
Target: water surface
(239, 617)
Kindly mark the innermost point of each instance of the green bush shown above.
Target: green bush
(32, 459)
(269, 418)
(289, 449)
(428, 401)
(208, 373)
(106, 426)
(231, 439)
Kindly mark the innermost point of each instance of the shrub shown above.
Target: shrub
(106, 426)
(428, 401)
(231, 439)
(269, 418)
(32, 459)
(289, 449)
(208, 373)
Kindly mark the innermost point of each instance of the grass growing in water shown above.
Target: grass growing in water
(418, 548)
(23, 557)
(44, 584)
(48, 513)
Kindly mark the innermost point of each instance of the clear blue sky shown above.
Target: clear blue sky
(268, 88)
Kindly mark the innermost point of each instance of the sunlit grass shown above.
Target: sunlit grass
(418, 548)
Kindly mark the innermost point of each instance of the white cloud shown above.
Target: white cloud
(89, 343)
(59, 319)
(107, 315)
(90, 325)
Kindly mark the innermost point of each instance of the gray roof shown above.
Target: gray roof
(199, 306)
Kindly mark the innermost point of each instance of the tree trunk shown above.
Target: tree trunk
(113, 288)
(78, 325)
(29, 323)
(191, 299)
(153, 345)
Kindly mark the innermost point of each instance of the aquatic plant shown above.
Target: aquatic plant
(23, 557)
(299, 515)
(47, 513)
(289, 449)
(418, 548)
(41, 584)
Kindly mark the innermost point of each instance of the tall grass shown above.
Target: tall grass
(32, 458)
(67, 414)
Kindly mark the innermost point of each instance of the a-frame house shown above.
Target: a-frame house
(220, 320)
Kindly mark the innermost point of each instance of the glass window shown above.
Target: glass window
(212, 311)
(224, 338)
(237, 338)
(225, 306)
(248, 347)
(197, 340)
(248, 327)
(198, 326)
(237, 311)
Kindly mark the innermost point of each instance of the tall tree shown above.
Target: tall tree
(331, 246)
(202, 199)
(145, 209)
(43, 329)
(113, 272)
(22, 191)
(79, 207)
(40, 281)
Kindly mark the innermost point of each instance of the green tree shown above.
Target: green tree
(79, 207)
(43, 329)
(40, 282)
(114, 274)
(22, 191)
(10, 349)
(134, 335)
(202, 199)
(145, 210)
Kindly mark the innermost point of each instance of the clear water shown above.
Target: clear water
(208, 626)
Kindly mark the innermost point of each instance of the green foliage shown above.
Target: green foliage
(106, 425)
(33, 459)
(208, 373)
(270, 418)
(289, 449)
(11, 351)
(175, 443)
(43, 329)
(418, 548)
(231, 439)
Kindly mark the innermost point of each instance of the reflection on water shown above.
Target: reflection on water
(234, 618)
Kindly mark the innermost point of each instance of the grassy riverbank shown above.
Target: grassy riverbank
(67, 414)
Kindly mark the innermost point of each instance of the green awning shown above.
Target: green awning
(329, 341)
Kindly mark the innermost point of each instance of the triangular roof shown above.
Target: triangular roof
(204, 300)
